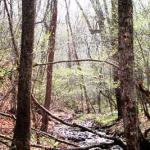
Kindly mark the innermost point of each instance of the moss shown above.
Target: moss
(102, 119)
(106, 119)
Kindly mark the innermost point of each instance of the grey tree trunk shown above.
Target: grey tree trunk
(21, 139)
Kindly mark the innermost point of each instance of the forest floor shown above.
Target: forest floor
(105, 123)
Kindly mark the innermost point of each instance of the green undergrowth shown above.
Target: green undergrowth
(99, 118)
(106, 119)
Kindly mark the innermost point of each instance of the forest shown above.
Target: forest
(74, 75)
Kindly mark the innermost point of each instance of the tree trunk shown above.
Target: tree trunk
(21, 140)
(117, 92)
(52, 31)
(14, 101)
(126, 66)
(82, 101)
(113, 25)
(99, 101)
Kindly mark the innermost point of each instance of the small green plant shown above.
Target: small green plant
(54, 143)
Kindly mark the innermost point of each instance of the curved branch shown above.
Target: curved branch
(145, 91)
(80, 60)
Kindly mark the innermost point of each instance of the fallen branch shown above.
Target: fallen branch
(5, 137)
(56, 139)
(50, 114)
(110, 125)
(80, 60)
(5, 143)
(8, 115)
(102, 145)
(116, 140)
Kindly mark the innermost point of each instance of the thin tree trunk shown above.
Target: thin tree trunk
(68, 44)
(52, 31)
(82, 102)
(99, 101)
(113, 25)
(14, 93)
(21, 140)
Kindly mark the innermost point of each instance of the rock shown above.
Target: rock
(116, 147)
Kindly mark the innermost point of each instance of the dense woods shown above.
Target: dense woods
(74, 74)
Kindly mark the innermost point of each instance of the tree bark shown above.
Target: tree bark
(126, 64)
(52, 31)
(21, 140)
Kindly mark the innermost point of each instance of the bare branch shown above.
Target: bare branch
(9, 91)
(8, 115)
(50, 114)
(5, 137)
(80, 60)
